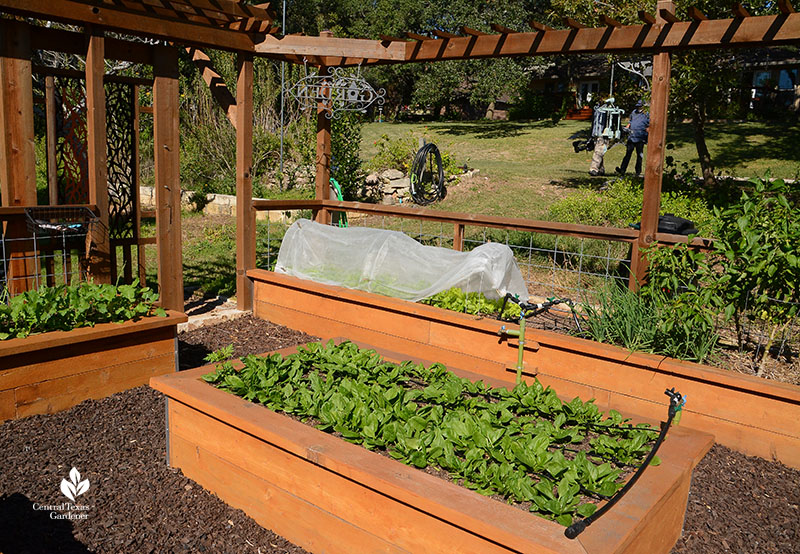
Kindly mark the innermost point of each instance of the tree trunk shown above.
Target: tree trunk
(699, 120)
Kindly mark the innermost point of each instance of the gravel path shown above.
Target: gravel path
(737, 503)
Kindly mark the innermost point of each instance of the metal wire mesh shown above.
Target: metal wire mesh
(52, 252)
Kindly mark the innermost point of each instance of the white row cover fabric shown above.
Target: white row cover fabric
(393, 264)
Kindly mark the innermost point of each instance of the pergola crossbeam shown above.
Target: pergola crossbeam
(785, 6)
(334, 47)
(444, 34)
(739, 11)
(539, 27)
(609, 21)
(696, 15)
(502, 29)
(472, 32)
(417, 36)
(647, 18)
(573, 24)
(668, 16)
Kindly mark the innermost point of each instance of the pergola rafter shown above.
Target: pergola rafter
(670, 36)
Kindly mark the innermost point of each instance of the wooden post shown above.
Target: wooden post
(245, 214)
(323, 174)
(137, 202)
(167, 177)
(458, 236)
(52, 169)
(654, 164)
(17, 158)
(100, 258)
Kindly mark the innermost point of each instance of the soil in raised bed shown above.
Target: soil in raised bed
(736, 504)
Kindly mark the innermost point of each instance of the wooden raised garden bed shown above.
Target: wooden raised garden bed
(750, 414)
(328, 495)
(46, 373)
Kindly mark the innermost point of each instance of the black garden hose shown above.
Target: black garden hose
(427, 188)
(676, 402)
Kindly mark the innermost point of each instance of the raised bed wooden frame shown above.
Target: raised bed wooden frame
(46, 373)
(750, 414)
(328, 495)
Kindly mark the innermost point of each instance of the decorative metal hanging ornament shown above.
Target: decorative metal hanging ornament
(338, 92)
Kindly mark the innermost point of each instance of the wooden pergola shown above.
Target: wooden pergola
(249, 31)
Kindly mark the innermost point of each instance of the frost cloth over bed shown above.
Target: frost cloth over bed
(393, 264)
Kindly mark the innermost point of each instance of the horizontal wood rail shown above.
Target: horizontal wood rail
(75, 74)
(616, 234)
(11, 211)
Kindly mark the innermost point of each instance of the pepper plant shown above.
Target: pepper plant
(757, 246)
(524, 444)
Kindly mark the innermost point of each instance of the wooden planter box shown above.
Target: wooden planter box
(43, 374)
(328, 495)
(750, 414)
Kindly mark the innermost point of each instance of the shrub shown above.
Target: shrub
(621, 204)
(345, 153)
(398, 153)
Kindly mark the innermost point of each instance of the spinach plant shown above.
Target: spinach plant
(524, 444)
(66, 307)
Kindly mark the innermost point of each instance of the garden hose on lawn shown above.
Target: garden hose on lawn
(427, 188)
(676, 402)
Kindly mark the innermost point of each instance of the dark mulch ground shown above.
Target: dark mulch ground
(138, 504)
(737, 504)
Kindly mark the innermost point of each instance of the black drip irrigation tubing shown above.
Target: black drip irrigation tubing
(676, 402)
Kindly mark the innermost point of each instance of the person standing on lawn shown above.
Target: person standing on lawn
(638, 126)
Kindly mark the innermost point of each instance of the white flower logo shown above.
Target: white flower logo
(74, 487)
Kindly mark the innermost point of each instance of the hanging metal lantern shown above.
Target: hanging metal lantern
(340, 91)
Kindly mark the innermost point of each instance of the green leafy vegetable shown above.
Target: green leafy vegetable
(524, 444)
(67, 307)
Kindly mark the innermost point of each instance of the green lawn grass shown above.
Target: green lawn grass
(518, 161)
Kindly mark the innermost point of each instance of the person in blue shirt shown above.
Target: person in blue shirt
(638, 126)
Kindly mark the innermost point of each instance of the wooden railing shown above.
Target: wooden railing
(322, 209)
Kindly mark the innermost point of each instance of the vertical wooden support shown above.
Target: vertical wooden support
(52, 169)
(245, 214)
(140, 257)
(100, 258)
(167, 177)
(654, 164)
(323, 175)
(17, 158)
(458, 236)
